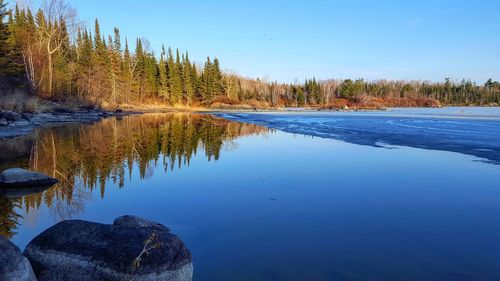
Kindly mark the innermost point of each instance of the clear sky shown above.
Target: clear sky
(288, 40)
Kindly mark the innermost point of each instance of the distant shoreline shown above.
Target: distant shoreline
(56, 115)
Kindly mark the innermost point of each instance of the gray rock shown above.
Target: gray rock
(27, 116)
(134, 221)
(20, 123)
(13, 265)
(62, 110)
(21, 178)
(3, 122)
(82, 251)
(10, 115)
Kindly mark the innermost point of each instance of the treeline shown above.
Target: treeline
(49, 53)
(62, 60)
(448, 92)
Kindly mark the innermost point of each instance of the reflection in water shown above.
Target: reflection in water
(85, 157)
(8, 216)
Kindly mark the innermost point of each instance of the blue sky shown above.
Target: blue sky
(288, 40)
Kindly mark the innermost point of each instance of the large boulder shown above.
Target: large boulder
(13, 265)
(130, 249)
(21, 178)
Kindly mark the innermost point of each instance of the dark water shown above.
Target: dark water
(367, 200)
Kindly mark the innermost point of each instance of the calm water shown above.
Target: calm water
(400, 195)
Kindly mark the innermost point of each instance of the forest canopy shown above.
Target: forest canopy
(47, 52)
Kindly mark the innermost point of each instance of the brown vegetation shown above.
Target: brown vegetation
(18, 101)
(368, 102)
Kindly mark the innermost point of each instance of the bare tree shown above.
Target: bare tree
(230, 84)
(60, 22)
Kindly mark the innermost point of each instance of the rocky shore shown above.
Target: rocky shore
(130, 249)
(14, 124)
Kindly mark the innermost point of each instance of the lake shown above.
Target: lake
(407, 194)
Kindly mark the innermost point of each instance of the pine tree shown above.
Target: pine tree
(63, 72)
(140, 69)
(162, 76)
(175, 79)
(97, 29)
(301, 99)
(206, 84)
(151, 75)
(10, 68)
(117, 64)
(86, 63)
(117, 40)
(217, 81)
(170, 74)
(100, 66)
(127, 70)
(188, 89)
(195, 80)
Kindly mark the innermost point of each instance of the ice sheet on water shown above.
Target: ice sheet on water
(472, 131)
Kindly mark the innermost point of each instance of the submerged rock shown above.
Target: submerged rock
(3, 122)
(130, 249)
(21, 178)
(13, 265)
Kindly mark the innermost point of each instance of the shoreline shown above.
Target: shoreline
(24, 124)
(20, 124)
(27, 123)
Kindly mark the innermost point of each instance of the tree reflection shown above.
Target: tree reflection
(86, 157)
(8, 217)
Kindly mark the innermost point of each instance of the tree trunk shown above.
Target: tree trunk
(50, 74)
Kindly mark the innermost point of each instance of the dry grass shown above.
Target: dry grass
(18, 102)
(224, 106)
(147, 107)
(151, 243)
